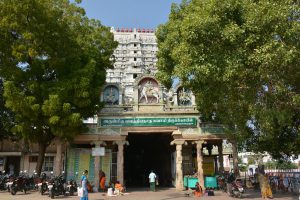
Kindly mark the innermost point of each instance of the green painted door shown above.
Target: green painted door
(79, 159)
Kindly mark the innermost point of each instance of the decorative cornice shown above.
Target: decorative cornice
(109, 131)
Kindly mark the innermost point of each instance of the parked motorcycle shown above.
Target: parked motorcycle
(56, 186)
(19, 184)
(9, 182)
(3, 181)
(237, 188)
(43, 184)
(71, 187)
(32, 181)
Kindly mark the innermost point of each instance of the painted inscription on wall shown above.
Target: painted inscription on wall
(188, 121)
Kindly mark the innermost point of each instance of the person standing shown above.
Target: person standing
(152, 177)
(229, 182)
(286, 183)
(102, 180)
(84, 182)
(265, 188)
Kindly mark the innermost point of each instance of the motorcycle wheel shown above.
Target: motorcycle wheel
(239, 195)
(51, 194)
(41, 190)
(13, 190)
(72, 191)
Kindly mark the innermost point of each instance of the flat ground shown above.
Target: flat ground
(145, 194)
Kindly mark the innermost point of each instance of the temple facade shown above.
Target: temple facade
(142, 127)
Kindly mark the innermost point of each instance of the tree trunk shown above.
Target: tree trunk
(58, 157)
(235, 159)
(40, 161)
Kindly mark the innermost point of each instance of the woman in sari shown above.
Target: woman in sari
(198, 191)
(102, 180)
(265, 187)
(84, 185)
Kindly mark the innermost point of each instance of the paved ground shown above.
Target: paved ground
(144, 194)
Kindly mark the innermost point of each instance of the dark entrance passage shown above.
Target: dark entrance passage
(148, 152)
(13, 165)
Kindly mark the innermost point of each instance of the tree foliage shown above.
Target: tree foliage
(6, 116)
(280, 165)
(241, 60)
(53, 59)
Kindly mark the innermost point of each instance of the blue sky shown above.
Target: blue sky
(129, 13)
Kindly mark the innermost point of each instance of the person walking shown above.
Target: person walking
(152, 177)
(84, 182)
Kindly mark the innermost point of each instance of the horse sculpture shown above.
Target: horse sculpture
(149, 91)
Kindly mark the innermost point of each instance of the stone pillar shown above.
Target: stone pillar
(97, 167)
(221, 162)
(179, 173)
(58, 157)
(161, 94)
(193, 99)
(199, 162)
(175, 99)
(120, 161)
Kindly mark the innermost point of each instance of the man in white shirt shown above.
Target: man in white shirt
(152, 177)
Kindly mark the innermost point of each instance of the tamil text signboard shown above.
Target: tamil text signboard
(125, 122)
(98, 151)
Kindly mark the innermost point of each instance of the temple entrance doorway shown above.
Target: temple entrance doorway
(146, 152)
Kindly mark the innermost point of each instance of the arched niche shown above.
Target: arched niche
(111, 95)
(184, 96)
(147, 90)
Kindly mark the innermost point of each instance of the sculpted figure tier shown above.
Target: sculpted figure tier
(149, 90)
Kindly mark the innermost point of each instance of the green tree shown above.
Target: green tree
(241, 60)
(281, 164)
(53, 59)
(251, 160)
(242, 166)
(6, 116)
(286, 165)
(256, 158)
